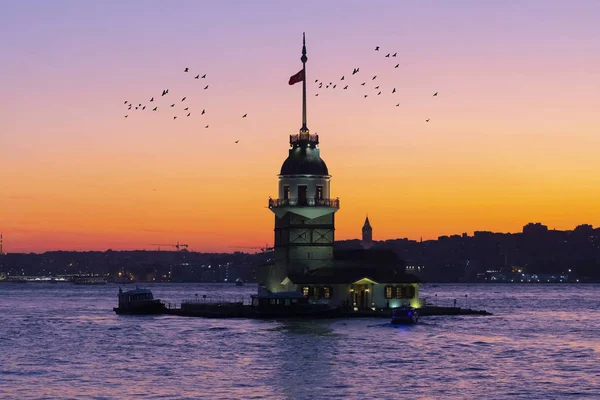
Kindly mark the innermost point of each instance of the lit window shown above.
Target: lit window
(305, 290)
(388, 292)
(327, 292)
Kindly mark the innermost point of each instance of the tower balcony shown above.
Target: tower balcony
(304, 137)
(308, 202)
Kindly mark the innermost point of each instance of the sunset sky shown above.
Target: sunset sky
(514, 134)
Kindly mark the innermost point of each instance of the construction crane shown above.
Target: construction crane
(178, 246)
(263, 249)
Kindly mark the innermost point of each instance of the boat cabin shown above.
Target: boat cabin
(129, 298)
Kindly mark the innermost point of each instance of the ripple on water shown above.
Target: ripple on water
(69, 344)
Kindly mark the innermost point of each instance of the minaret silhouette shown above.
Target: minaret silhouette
(367, 234)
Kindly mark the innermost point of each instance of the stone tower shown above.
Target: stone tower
(367, 234)
(304, 210)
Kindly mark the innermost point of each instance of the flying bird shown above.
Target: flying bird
(203, 76)
(398, 105)
(435, 94)
(154, 109)
(152, 99)
(397, 65)
(377, 48)
(320, 85)
(186, 70)
(244, 116)
(125, 102)
(394, 91)
(140, 105)
(184, 99)
(354, 71)
(388, 55)
(143, 108)
(136, 108)
(366, 96)
(316, 80)
(165, 91)
(342, 78)
(205, 87)
(237, 141)
(188, 114)
(394, 55)
(129, 108)
(173, 105)
(378, 93)
(185, 109)
(334, 86)
(345, 87)
(374, 78)
(197, 76)
(126, 116)
(206, 127)
(202, 112)
(427, 120)
(175, 117)
(376, 87)
(363, 84)
(316, 94)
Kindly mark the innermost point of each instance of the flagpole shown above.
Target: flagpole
(303, 59)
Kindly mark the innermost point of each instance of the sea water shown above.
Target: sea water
(60, 341)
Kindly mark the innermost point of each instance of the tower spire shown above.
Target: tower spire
(303, 59)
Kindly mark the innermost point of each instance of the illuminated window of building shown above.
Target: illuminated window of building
(327, 292)
(388, 292)
(305, 290)
(398, 293)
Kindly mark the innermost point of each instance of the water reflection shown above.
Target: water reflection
(65, 341)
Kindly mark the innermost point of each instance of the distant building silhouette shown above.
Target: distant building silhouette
(367, 234)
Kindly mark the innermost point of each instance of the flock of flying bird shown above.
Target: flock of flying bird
(187, 112)
(320, 84)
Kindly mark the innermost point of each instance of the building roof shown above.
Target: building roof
(367, 223)
(369, 258)
(337, 275)
(304, 161)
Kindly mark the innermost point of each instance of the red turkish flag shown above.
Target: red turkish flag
(299, 77)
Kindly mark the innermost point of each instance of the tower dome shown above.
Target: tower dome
(304, 161)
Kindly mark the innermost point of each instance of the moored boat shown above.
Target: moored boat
(404, 315)
(138, 301)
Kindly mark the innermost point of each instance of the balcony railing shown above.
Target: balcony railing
(306, 137)
(309, 202)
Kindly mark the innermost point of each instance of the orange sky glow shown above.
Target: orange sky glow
(513, 136)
